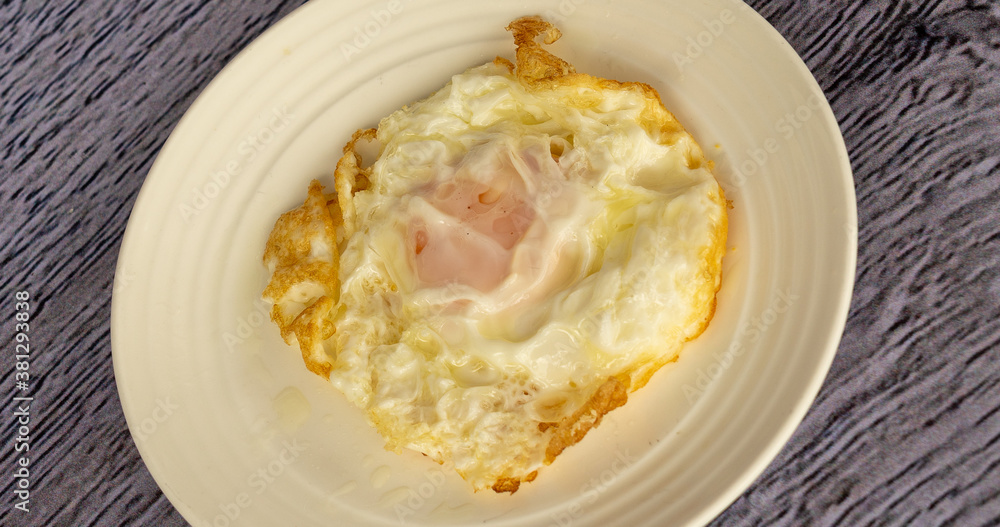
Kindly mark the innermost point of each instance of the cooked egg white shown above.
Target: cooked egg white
(511, 254)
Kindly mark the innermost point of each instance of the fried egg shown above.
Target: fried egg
(528, 247)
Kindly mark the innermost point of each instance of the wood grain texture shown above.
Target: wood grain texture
(906, 429)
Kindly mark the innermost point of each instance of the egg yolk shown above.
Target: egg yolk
(485, 214)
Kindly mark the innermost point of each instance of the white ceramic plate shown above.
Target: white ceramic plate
(237, 432)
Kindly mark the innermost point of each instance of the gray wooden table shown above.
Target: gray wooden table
(906, 430)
